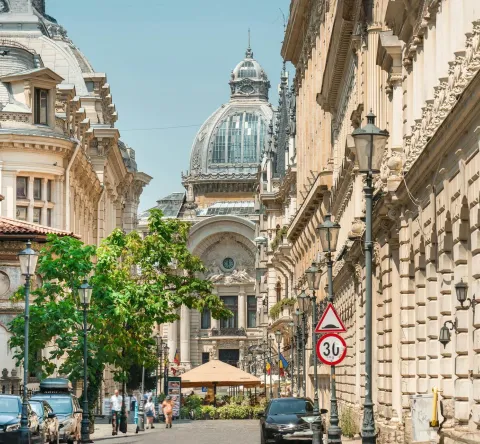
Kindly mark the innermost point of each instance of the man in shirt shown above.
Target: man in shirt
(116, 402)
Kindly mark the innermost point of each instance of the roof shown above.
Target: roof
(218, 373)
(13, 227)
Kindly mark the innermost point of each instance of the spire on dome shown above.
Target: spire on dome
(249, 52)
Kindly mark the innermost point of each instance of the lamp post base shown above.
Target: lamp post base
(25, 436)
(334, 435)
(317, 430)
(85, 430)
(368, 433)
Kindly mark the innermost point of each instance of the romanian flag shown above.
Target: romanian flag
(176, 359)
(282, 365)
(268, 368)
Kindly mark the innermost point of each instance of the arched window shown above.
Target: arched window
(247, 70)
(278, 290)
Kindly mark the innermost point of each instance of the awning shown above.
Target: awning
(218, 374)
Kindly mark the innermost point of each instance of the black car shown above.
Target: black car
(47, 419)
(10, 414)
(283, 421)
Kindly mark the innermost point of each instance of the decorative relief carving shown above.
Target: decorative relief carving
(4, 283)
(465, 66)
(3, 6)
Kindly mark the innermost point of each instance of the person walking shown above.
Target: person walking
(150, 412)
(116, 404)
(167, 406)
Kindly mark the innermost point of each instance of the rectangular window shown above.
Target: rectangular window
(205, 357)
(251, 311)
(231, 302)
(37, 215)
(22, 213)
(49, 190)
(37, 189)
(49, 217)
(206, 319)
(41, 106)
(22, 187)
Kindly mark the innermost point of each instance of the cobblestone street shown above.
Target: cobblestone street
(198, 432)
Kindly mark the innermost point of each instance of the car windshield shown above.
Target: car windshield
(37, 407)
(61, 406)
(290, 406)
(9, 405)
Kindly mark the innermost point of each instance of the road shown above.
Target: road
(198, 432)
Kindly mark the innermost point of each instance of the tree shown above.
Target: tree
(136, 281)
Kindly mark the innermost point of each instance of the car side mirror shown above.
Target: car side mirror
(52, 415)
(261, 414)
(323, 411)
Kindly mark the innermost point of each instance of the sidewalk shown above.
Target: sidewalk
(104, 431)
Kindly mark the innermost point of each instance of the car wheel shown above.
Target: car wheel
(262, 437)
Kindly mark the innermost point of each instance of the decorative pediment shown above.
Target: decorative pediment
(44, 75)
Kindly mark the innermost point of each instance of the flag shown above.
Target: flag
(268, 368)
(176, 359)
(282, 365)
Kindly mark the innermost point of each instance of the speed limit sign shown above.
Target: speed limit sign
(331, 349)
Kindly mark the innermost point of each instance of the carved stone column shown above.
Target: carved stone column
(242, 308)
(185, 335)
(172, 340)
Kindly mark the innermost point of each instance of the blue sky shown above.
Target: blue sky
(168, 64)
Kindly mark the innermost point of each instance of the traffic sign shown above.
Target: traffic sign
(330, 321)
(331, 349)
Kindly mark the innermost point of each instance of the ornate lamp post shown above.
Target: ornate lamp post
(291, 328)
(159, 342)
(370, 142)
(297, 321)
(303, 303)
(313, 280)
(85, 295)
(28, 263)
(269, 348)
(166, 349)
(328, 232)
(278, 337)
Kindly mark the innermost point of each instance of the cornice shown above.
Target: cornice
(311, 203)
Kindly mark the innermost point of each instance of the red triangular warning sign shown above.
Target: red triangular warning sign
(330, 321)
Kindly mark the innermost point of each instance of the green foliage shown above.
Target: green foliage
(280, 305)
(184, 413)
(125, 304)
(279, 237)
(192, 402)
(198, 413)
(257, 411)
(234, 411)
(348, 424)
(209, 411)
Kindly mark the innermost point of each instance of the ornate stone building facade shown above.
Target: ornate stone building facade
(220, 204)
(416, 65)
(62, 164)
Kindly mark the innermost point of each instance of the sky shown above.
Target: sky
(168, 64)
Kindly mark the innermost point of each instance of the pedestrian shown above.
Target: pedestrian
(116, 403)
(150, 412)
(133, 401)
(167, 406)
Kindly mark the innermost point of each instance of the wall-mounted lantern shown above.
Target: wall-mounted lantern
(445, 335)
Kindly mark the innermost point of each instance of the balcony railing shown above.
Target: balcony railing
(228, 332)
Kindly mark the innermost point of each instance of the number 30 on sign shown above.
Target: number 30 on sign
(331, 349)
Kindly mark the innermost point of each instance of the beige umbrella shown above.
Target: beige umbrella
(218, 374)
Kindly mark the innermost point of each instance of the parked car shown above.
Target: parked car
(11, 412)
(283, 421)
(48, 421)
(57, 392)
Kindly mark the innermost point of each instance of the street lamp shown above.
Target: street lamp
(28, 262)
(313, 280)
(166, 349)
(278, 337)
(291, 328)
(303, 303)
(370, 142)
(297, 321)
(85, 296)
(159, 343)
(328, 232)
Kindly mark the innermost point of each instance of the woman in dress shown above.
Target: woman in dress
(150, 412)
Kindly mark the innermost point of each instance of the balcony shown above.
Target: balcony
(228, 332)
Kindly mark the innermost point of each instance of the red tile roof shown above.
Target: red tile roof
(18, 227)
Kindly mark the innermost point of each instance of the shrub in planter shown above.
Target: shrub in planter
(198, 413)
(347, 422)
(184, 413)
(209, 411)
(257, 411)
(192, 402)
